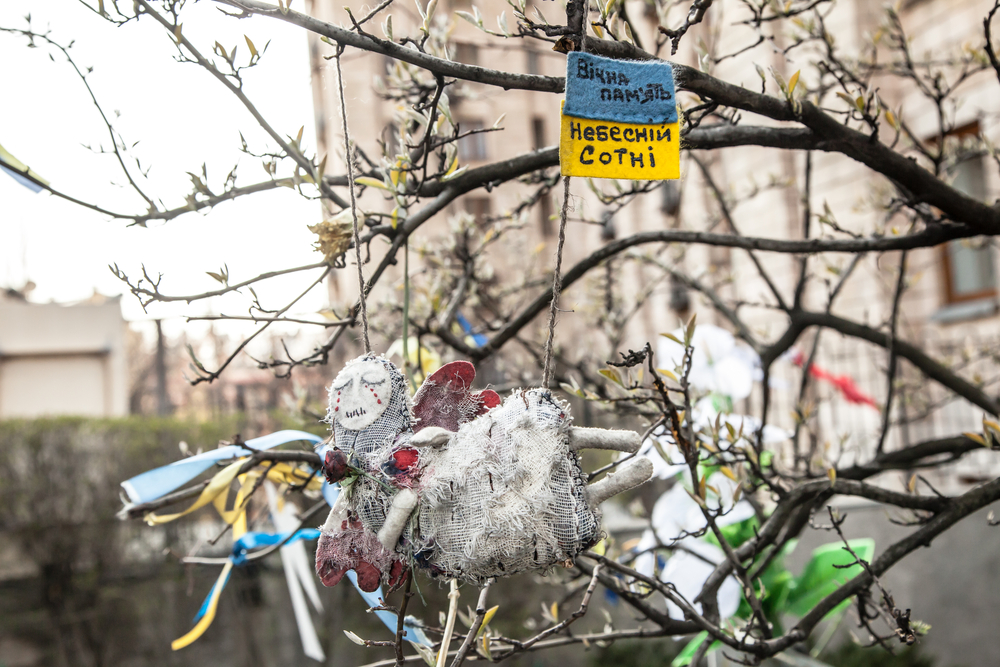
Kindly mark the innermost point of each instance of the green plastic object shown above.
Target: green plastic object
(684, 658)
(785, 594)
(820, 577)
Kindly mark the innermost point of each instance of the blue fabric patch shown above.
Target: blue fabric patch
(626, 91)
(477, 338)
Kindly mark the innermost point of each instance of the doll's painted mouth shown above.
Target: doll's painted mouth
(355, 413)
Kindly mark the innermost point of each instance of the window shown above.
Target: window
(532, 64)
(967, 264)
(467, 53)
(969, 270)
(479, 208)
(471, 148)
(545, 214)
(537, 133)
(670, 198)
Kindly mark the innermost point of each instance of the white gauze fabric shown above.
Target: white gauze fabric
(505, 494)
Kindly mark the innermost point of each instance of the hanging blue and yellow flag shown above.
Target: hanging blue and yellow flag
(619, 120)
(20, 172)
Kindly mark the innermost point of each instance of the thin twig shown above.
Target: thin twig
(401, 614)
(576, 615)
(449, 626)
(267, 551)
(470, 639)
(893, 356)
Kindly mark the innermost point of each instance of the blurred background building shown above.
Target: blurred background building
(950, 309)
(62, 359)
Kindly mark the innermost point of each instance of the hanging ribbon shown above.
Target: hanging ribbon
(158, 482)
(298, 574)
(217, 491)
(843, 383)
(206, 614)
(241, 547)
(20, 172)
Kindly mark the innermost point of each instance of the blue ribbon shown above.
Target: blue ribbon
(158, 482)
(208, 598)
(245, 544)
(477, 338)
(23, 180)
(255, 540)
(249, 541)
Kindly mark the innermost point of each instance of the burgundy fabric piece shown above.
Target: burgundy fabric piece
(396, 575)
(440, 398)
(368, 577)
(330, 573)
(489, 399)
(354, 547)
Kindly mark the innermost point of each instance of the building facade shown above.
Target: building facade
(62, 359)
(950, 306)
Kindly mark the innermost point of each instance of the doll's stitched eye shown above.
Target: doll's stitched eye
(367, 381)
(346, 384)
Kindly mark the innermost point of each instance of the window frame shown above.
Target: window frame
(949, 296)
(466, 152)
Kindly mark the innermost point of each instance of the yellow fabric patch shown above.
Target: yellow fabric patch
(608, 149)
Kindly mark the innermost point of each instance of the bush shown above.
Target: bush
(635, 653)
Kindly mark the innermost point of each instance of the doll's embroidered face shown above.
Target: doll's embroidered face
(360, 394)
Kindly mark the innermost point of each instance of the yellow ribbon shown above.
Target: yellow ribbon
(217, 492)
(206, 620)
(237, 517)
(219, 485)
(284, 473)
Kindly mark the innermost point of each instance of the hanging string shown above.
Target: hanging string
(556, 286)
(354, 207)
(557, 274)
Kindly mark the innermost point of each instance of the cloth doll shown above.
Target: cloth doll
(460, 483)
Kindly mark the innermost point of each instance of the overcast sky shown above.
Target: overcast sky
(181, 117)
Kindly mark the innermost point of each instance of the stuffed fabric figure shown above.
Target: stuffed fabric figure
(462, 485)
